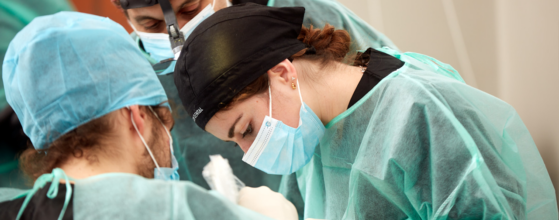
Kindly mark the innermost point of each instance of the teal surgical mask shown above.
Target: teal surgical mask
(280, 149)
(158, 46)
(162, 173)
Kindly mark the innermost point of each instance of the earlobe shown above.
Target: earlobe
(284, 71)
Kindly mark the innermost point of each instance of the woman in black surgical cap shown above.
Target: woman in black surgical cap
(385, 135)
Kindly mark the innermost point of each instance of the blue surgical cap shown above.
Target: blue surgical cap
(66, 69)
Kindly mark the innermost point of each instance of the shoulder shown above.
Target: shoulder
(7, 194)
(311, 5)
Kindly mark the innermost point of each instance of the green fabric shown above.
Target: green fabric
(14, 15)
(11, 193)
(424, 145)
(128, 196)
(320, 12)
(195, 145)
(10, 174)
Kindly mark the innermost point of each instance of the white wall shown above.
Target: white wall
(511, 48)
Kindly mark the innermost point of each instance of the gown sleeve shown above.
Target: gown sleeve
(125, 196)
(436, 148)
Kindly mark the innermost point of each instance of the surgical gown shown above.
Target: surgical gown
(129, 196)
(193, 145)
(14, 15)
(424, 145)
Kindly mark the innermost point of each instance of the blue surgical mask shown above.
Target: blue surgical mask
(280, 149)
(162, 173)
(158, 46)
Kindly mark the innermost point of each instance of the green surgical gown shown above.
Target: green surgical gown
(193, 145)
(422, 144)
(320, 12)
(129, 196)
(14, 15)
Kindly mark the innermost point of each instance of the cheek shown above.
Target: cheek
(258, 109)
(245, 144)
(288, 114)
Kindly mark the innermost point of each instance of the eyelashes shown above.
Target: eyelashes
(245, 133)
(248, 130)
(153, 26)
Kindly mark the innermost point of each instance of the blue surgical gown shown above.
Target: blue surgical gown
(129, 196)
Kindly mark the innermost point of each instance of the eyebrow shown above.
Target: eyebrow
(232, 129)
(141, 18)
(186, 3)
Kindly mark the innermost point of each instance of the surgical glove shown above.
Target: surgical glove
(267, 202)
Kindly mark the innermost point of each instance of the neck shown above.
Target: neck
(328, 93)
(108, 161)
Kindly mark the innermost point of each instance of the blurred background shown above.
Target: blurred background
(507, 48)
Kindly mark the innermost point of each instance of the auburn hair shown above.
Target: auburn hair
(331, 45)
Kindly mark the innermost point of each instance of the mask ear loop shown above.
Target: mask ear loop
(299, 88)
(143, 141)
(301, 98)
(166, 131)
(270, 92)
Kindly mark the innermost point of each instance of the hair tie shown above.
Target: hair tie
(310, 50)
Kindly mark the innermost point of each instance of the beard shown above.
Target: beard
(161, 152)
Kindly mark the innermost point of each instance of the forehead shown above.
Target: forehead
(221, 122)
(155, 10)
(250, 109)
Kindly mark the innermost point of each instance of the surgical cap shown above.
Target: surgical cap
(230, 50)
(66, 69)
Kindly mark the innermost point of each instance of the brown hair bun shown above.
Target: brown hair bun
(329, 43)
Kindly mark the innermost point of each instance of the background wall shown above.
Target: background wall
(102, 8)
(508, 48)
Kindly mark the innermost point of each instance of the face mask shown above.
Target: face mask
(280, 149)
(162, 173)
(158, 46)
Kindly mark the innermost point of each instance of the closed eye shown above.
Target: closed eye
(248, 130)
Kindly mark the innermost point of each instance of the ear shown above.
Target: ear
(139, 118)
(283, 72)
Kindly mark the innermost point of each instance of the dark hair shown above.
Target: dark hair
(87, 137)
(118, 5)
(331, 45)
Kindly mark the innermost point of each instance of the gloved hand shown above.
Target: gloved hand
(267, 202)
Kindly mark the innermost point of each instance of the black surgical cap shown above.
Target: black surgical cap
(230, 50)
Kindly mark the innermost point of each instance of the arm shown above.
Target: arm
(127, 196)
(429, 153)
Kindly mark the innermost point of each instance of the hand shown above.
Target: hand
(267, 202)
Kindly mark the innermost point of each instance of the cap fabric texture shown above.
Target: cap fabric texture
(230, 50)
(63, 70)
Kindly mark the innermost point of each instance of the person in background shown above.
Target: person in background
(100, 124)
(374, 135)
(14, 15)
(193, 145)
